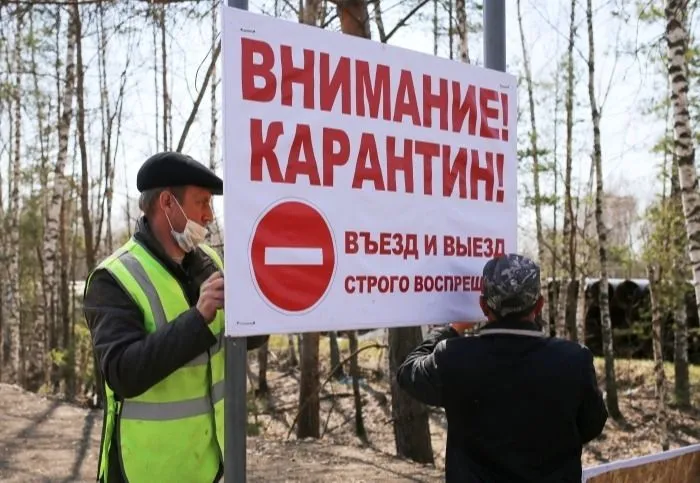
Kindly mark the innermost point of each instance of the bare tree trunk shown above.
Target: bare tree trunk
(603, 301)
(546, 312)
(167, 121)
(463, 30)
(88, 236)
(263, 353)
(450, 27)
(569, 231)
(560, 321)
(13, 295)
(360, 431)
(293, 360)
(335, 354)
(684, 153)
(436, 26)
(581, 310)
(308, 425)
(155, 80)
(533, 134)
(59, 183)
(216, 237)
(411, 420)
(410, 417)
(309, 418)
(660, 380)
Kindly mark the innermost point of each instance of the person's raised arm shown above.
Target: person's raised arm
(132, 360)
(420, 373)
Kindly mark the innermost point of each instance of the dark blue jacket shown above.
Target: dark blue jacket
(519, 405)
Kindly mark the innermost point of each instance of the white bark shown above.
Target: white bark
(58, 183)
(660, 379)
(12, 290)
(684, 154)
(603, 299)
(463, 29)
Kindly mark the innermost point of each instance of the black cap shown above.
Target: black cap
(176, 169)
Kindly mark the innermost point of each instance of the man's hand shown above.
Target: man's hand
(211, 296)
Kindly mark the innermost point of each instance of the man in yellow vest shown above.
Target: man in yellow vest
(155, 313)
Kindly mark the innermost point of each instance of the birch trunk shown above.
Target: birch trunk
(546, 313)
(684, 154)
(463, 29)
(167, 121)
(13, 299)
(3, 261)
(560, 321)
(569, 231)
(216, 237)
(603, 299)
(58, 183)
(581, 311)
(533, 136)
(88, 234)
(37, 363)
(657, 338)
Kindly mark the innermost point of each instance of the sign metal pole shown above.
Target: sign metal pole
(235, 405)
(495, 34)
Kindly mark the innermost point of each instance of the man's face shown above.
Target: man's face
(196, 205)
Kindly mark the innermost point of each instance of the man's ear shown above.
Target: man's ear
(484, 308)
(539, 305)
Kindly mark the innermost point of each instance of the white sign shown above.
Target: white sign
(365, 185)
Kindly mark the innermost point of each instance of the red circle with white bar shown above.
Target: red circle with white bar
(292, 256)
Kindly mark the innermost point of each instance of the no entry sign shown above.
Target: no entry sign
(292, 256)
(365, 185)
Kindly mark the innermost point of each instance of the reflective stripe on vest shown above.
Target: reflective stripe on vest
(167, 411)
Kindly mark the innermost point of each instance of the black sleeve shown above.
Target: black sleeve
(592, 413)
(419, 374)
(130, 359)
(256, 341)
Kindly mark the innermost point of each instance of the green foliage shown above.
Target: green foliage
(665, 247)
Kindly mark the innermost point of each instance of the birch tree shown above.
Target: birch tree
(603, 299)
(58, 183)
(676, 12)
(534, 152)
(13, 295)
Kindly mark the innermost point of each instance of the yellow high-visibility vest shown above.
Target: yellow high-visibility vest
(175, 430)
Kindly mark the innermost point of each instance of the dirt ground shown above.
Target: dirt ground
(47, 440)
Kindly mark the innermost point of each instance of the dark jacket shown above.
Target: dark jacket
(131, 360)
(519, 406)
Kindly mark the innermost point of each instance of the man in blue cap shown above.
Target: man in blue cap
(155, 313)
(519, 405)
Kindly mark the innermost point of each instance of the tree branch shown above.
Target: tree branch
(403, 21)
(200, 96)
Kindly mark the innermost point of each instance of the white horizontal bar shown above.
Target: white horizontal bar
(293, 256)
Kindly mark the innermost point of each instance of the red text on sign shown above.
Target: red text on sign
(382, 166)
(369, 284)
(270, 74)
(377, 284)
(406, 245)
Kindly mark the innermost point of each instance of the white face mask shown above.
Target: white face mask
(191, 236)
